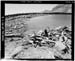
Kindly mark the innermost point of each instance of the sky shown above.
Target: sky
(27, 8)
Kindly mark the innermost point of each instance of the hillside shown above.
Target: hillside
(62, 8)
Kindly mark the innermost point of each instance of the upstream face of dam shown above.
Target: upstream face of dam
(39, 37)
(51, 21)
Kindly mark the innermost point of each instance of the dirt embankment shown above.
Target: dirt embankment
(17, 44)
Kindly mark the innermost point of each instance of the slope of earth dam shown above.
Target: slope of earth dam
(40, 45)
(51, 21)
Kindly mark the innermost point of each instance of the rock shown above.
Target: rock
(26, 48)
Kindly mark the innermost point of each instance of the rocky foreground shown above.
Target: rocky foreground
(44, 44)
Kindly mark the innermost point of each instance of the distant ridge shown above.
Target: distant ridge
(59, 9)
(62, 8)
(13, 15)
(17, 14)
